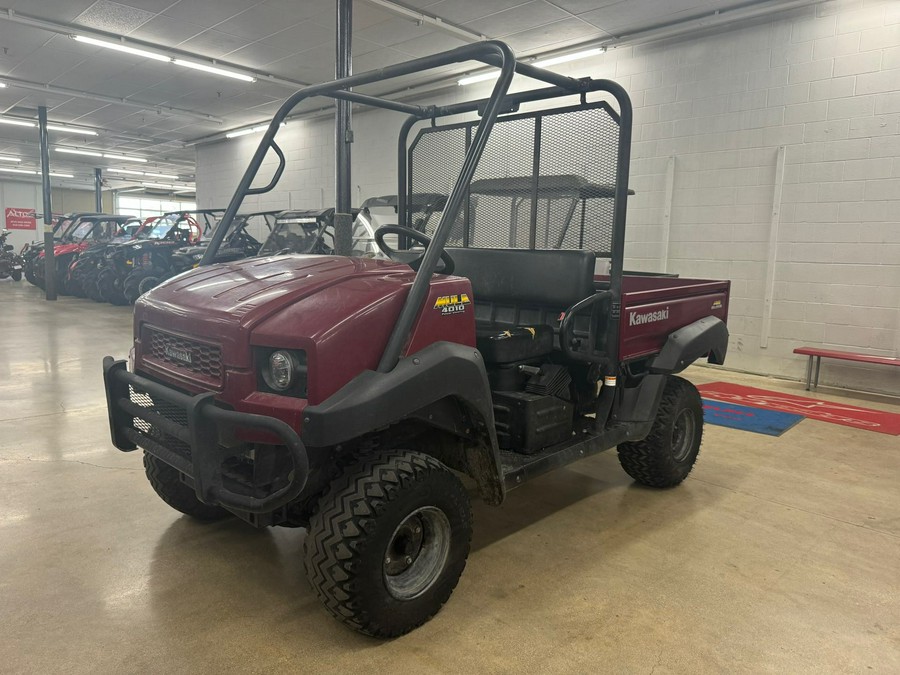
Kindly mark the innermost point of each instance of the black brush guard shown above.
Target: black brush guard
(200, 434)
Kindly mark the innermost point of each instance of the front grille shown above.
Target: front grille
(185, 354)
(166, 410)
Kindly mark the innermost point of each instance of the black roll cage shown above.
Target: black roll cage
(489, 52)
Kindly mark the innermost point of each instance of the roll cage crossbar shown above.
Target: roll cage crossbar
(489, 52)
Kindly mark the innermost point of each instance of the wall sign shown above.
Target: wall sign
(20, 219)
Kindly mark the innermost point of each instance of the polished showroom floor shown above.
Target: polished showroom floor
(776, 555)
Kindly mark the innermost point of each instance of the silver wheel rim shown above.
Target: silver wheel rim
(683, 435)
(417, 553)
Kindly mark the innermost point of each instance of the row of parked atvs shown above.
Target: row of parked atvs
(116, 259)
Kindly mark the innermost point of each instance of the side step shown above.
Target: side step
(519, 468)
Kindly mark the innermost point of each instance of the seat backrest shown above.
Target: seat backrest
(516, 287)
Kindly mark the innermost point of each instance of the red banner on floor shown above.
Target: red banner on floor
(20, 219)
(824, 411)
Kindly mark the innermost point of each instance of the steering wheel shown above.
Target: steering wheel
(417, 236)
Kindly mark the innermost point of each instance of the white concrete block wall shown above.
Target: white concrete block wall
(823, 82)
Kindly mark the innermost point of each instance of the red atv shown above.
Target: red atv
(347, 395)
(87, 231)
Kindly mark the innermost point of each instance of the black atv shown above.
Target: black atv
(161, 262)
(82, 275)
(164, 234)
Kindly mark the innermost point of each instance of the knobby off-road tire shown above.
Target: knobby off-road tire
(389, 542)
(667, 455)
(109, 288)
(165, 481)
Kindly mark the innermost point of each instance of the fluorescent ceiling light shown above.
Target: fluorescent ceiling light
(124, 158)
(34, 173)
(4, 158)
(166, 186)
(105, 155)
(569, 57)
(72, 151)
(17, 123)
(120, 47)
(484, 77)
(250, 130)
(142, 173)
(553, 61)
(2, 85)
(72, 130)
(215, 71)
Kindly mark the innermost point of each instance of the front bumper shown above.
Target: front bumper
(184, 432)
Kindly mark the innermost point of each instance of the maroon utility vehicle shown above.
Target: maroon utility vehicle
(349, 395)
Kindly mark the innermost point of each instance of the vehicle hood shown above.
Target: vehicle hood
(224, 303)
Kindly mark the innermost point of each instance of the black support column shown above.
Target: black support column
(343, 220)
(49, 260)
(98, 190)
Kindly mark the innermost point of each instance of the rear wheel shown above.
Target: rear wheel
(109, 288)
(667, 455)
(148, 283)
(165, 480)
(389, 542)
(131, 286)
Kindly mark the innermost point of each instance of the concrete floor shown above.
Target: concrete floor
(777, 554)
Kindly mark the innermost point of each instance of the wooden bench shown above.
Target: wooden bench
(818, 354)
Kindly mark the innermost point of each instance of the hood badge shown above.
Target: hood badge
(180, 355)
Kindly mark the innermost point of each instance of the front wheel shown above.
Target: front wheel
(389, 542)
(17, 275)
(667, 455)
(166, 482)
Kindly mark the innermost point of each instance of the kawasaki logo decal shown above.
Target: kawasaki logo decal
(635, 319)
(175, 354)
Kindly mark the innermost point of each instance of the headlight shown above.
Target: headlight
(280, 371)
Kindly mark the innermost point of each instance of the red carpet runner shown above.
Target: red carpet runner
(825, 411)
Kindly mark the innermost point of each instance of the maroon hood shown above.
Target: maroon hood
(248, 291)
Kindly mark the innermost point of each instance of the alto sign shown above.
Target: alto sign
(20, 219)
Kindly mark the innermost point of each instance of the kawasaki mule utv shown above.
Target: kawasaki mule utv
(347, 395)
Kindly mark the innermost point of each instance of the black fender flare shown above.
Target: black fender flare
(373, 400)
(705, 337)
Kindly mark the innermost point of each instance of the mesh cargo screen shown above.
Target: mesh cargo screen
(545, 180)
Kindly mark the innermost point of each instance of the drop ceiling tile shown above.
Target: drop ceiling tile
(256, 55)
(154, 6)
(394, 31)
(113, 17)
(213, 44)
(264, 20)
(166, 32)
(43, 66)
(52, 9)
(581, 6)
(518, 19)
(302, 36)
(432, 43)
(465, 11)
(554, 35)
(208, 13)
